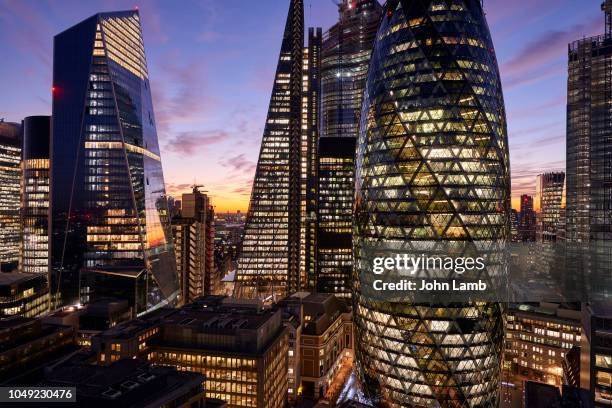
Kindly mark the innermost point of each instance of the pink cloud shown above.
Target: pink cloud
(188, 143)
(536, 56)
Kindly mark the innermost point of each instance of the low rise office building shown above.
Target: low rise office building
(240, 348)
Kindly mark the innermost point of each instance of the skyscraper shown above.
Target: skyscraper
(432, 172)
(10, 159)
(310, 135)
(596, 353)
(589, 137)
(335, 215)
(588, 215)
(548, 201)
(34, 248)
(110, 227)
(345, 58)
(344, 66)
(194, 234)
(527, 219)
(270, 259)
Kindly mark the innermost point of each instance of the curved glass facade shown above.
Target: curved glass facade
(432, 169)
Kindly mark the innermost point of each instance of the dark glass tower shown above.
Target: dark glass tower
(432, 172)
(34, 248)
(110, 226)
(335, 215)
(310, 135)
(589, 197)
(344, 66)
(346, 51)
(527, 219)
(589, 137)
(270, 260)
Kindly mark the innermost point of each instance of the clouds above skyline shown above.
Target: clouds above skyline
(211, 66)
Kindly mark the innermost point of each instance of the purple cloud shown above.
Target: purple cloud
(239, 163)
(188, 143)
(535, 58)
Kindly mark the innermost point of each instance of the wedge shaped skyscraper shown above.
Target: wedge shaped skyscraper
(432, 172)
(110, 230)
(270, 260)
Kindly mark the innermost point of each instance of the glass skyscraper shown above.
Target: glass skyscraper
(548, 201)
(589, 137)
(34, 248)
(336, 177)
(432, 172)
(311, 77)
(10, 175)
(110, 227)
(346, 50)
(588, 228)
(270, 259)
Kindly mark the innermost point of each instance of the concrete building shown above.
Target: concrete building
(239, 347)
(128, 384)
(596, 353)
(194, 245)
(25, 295)
(326, 344)
(538, 337)
(28, 345)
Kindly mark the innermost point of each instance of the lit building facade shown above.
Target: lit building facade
(346, 51)
(432, 168)
(596, 353)
(538, 338)
(310, 135)
(109, 215)
(270, 259)
(326, 345)
(194, 242)
(27, 346)
(335, 215)
(240, 348)
(23, 294)
(589, 169)
(34, 248)
(10, 175)
(548, 202)
(527, 219)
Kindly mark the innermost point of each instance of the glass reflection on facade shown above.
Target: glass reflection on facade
(34, 248)
(10, 159)
(335, 215)
(270, 259)
(344, 66)
(432, 169)
(109, 207)
(589, 147)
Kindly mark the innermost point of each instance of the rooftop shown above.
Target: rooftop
(127, 382)
(12, 278)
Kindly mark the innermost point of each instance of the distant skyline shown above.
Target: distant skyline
(211, 66)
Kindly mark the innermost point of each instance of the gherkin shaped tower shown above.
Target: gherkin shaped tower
(432, 172)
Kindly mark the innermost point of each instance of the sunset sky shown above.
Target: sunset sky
(211, 65)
